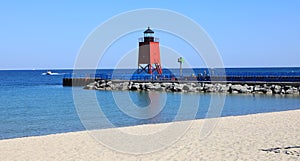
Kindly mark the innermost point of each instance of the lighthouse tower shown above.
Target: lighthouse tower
(149, 54)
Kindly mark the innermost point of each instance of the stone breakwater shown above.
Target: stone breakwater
(195, 87)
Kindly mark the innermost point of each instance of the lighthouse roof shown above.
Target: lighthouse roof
(149, 31)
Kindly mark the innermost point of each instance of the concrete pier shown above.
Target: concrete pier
(78, 81)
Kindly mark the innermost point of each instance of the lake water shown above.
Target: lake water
(35, 104)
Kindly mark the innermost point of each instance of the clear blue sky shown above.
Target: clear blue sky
(47, 35)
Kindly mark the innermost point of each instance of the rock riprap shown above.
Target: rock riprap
(194, 87)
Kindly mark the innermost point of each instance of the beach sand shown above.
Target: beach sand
(267, 136)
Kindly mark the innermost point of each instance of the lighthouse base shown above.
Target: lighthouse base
(150, 69)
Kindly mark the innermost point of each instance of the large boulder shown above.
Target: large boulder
(199, 89)
(259, 89)
(102, 85)
(186, 87)
(90, 86)
(239, 88)
(208, 87)
(177, 88)
(167, 85)
(292, 90)
(250, 89)
(108, 88)
(222, 88)
(269, 92)
(276, 89)
(148, 85)
(234, 92)
(134, 87)
(160, 89)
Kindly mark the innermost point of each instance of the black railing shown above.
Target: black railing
(155, 39)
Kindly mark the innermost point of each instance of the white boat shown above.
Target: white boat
(49, 73)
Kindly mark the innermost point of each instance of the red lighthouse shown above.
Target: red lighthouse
(149, 54)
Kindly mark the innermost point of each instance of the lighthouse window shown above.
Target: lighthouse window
(148, 35)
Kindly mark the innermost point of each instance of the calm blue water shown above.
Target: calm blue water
(35, 104)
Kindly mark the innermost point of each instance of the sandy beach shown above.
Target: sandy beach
(268, 136)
